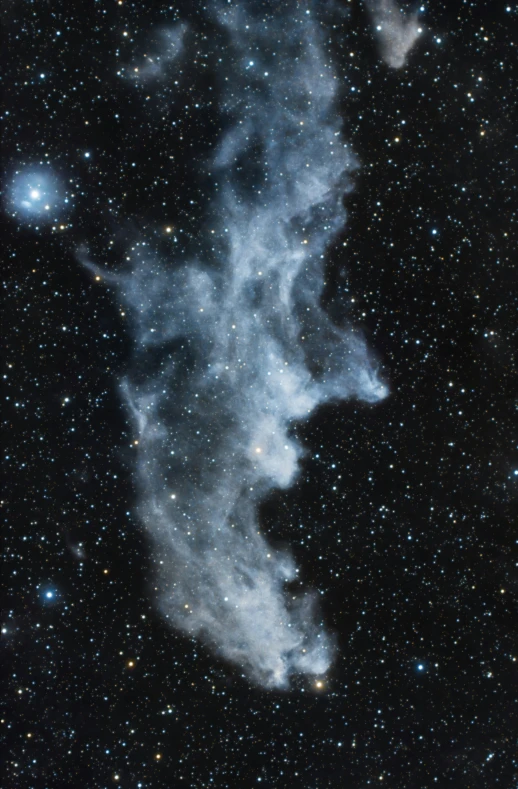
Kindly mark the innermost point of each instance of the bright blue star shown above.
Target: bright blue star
(37, 194)
(49, 595)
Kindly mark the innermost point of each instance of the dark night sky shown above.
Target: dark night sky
(404, 513)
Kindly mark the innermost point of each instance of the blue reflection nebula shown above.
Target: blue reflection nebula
(37, 194)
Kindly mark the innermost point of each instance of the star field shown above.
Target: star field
(398, 508)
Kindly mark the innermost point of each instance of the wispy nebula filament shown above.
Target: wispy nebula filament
(233, 346)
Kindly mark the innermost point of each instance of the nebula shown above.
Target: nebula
(35, 193)
(167, 48)
(232, 347)
(395, 32)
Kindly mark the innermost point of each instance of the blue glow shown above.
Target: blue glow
(36, 194)
(49, 595)
(259, 301)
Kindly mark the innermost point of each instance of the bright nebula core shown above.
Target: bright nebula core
(37, 194)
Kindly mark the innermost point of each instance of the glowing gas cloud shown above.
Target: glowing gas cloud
(167, 47)
(396, 31)
(233, 346)
(35, 193)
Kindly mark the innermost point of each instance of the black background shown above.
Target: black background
(404, 514)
